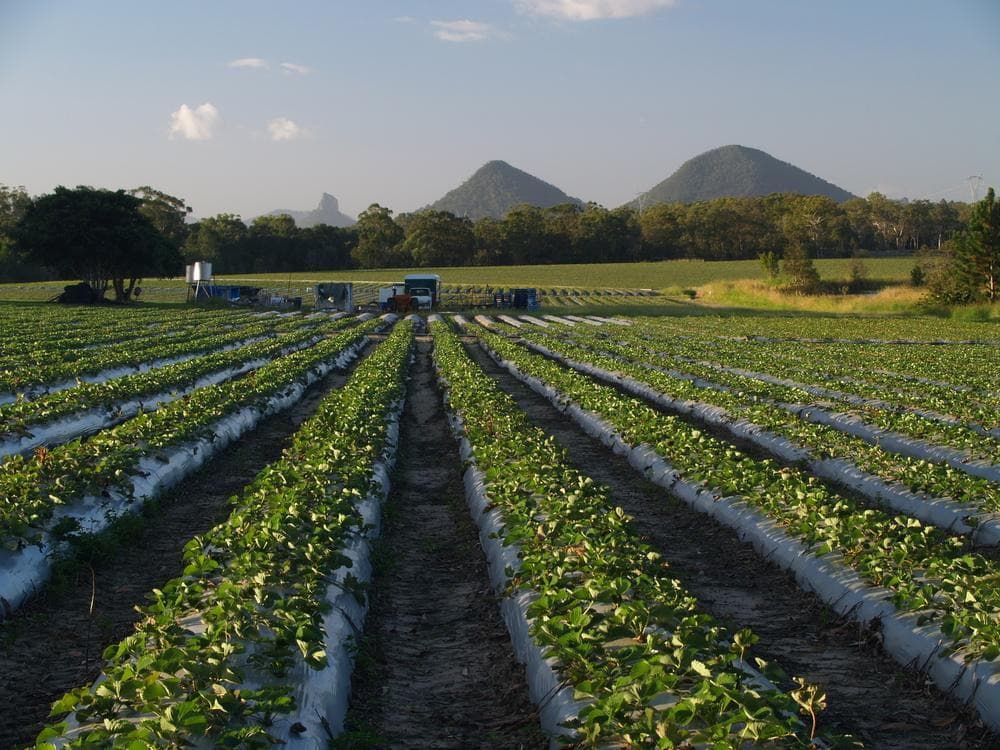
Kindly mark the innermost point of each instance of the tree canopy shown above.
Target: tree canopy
(99, 236)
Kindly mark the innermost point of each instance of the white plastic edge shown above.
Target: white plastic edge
(23, 572)
(937, 511)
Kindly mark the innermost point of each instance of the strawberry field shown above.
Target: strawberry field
(234, 529)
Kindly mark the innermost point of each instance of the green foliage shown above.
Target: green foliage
(770, 264)
(438, 238)
(250, 603)
(799, 273)
(99, 236)
(653, 669)
(917, 276)
(977, 251)
(379, 238)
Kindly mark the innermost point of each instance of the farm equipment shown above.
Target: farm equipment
(423, 289)
(332, 295)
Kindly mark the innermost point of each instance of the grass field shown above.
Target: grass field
(670, 277)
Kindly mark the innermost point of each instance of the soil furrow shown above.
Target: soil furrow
(436, 668)
(870, 696)
(54, 643)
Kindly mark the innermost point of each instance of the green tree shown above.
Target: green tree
(800, 274)
(379, 238)
(165, 212)
(489, 242)
(219, 239)
(99, 236)
(769, 264)
(439, 238)
(977, 250)
(660, 229)
(14, 201)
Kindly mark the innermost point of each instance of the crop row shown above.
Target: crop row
(37, 327)
(879, 371)
(248, 646)
(19, 417)
(923, 570)
(923, 477)
(650, 668)
(813, 373)
(929, 427)
(959, 443)
(32, 488)
(29, 378)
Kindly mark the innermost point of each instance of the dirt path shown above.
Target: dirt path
(54, 645)
(436, 669)
(870, 697)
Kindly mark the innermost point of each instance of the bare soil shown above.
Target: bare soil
(54, 643)
(436, 668)
(870, 697)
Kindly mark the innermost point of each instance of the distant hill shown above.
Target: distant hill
(738, 171)
(497, 187)
(327, 212)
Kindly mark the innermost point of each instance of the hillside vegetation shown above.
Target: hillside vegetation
(495, 188)
(738, 172)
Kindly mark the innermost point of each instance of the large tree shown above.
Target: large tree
(379, 238)
(99, 236)
(977, 250)
(14, 201)
(439, 238)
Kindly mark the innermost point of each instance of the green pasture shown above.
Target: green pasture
(669, 277)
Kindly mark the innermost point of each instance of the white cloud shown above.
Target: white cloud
(463, 31)
(296, 68)
(194, 124)
(249, 62)
(404, 19)
(590, 10)
(283, 129)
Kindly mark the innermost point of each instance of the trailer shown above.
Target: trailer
(333, 295)
(423, 288)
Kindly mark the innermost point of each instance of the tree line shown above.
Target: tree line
(112, 238)
(721, 229)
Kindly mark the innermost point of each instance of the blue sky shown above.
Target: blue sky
(250, 106)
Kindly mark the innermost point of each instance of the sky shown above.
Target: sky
(245, 106)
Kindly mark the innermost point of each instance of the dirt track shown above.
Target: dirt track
(436, 669)
(870, 696)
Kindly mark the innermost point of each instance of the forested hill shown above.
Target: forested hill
(497, 187)
(327, 212)
(738, 171)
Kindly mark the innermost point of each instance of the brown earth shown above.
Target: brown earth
(436, 668)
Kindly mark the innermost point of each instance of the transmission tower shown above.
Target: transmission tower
(975, 181)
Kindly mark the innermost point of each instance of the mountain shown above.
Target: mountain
(327, 212)
(738, 171)
(497, 187)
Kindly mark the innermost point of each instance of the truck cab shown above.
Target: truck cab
(424, 288)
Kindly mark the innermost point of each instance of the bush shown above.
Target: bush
(800, 274)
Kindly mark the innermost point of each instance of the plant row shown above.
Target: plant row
(934, 480)
(221, 653)
(652, 669)
(36, 327)
(17, 417)
(855, 373)
(32, 488)
(42, 370)
(924, 570)
(771, 385)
